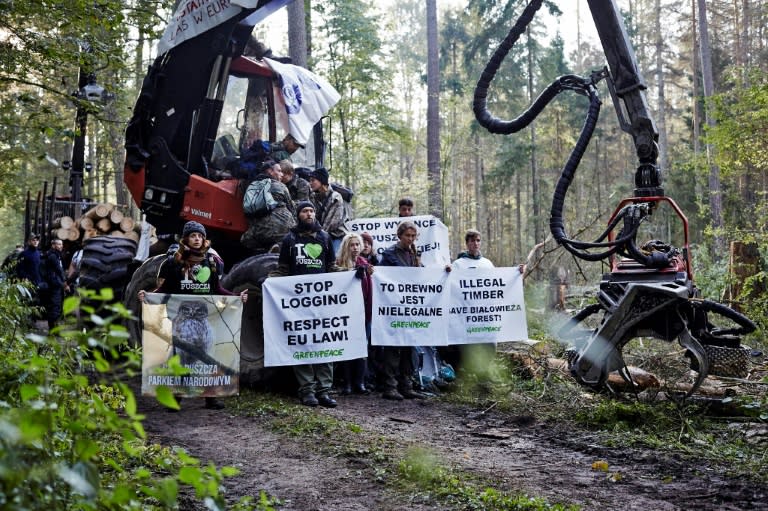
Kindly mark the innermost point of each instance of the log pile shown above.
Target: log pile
(100, 220)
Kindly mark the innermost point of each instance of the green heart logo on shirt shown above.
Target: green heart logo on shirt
(313, 250)
(203, 275)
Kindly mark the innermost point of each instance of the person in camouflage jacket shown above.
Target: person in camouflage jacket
(329, 206)
(268, 230)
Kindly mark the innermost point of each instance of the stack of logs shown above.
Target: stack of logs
(100, 220)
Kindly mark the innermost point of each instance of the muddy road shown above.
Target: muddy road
(512, 453)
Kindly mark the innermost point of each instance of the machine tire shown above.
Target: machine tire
(251, 274)
(106, 263)
(145, 277)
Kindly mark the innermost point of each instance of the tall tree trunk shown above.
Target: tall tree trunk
(661, 116)
(537, 230)
(715, 193)
(297, 33)
(435, 198)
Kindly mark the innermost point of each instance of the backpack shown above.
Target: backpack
(258, 200)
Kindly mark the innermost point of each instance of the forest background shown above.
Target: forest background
(712, 131)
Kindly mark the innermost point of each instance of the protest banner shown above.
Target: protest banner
(432, 241)
(313, 319)
(204, 331)
(486, 305)
(409, 306)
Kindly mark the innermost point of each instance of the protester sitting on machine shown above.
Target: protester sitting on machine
(251, 160)
(297, 185)
(329, 206)
(270, 211)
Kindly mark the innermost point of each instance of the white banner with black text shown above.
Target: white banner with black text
(311, 319)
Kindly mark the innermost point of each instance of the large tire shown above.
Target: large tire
(250, 274)
(145, 277)
(106, 262)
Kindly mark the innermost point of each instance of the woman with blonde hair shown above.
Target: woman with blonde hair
(349, 258)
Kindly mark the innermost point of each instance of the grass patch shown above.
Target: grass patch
(406, 469)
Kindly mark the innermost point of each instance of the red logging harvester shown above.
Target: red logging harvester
(213, 94)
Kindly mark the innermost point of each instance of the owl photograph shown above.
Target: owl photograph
(191, 332)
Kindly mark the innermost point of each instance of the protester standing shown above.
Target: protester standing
(350, 258)
(182, 268)
(368, 252)
(269, 227)
(315, 380)
(397, 362)
(297, 186)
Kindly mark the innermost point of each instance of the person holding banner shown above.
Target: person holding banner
(193, 269)
(350, 258)
(399, 368)
(475, 357)
(405, 207)
(306, 250)
(368, 253)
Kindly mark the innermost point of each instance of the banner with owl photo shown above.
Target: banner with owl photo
(204, 331)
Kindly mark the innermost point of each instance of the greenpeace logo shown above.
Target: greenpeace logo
(199, 212)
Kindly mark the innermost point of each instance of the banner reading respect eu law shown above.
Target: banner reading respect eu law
(204, 331)
(313, 318)
(486, 305)
(432, 242)
(409, 306)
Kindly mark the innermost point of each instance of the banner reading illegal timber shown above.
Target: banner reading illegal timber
(486, 306)
(204, 331)
(316, 318)
(410, 306)
(432, 241)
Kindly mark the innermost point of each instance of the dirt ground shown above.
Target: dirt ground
(516, 453)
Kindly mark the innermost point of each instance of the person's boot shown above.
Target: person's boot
(411, 394)
(309, 400)
(326, 401)
(212, 403)
(392, 394)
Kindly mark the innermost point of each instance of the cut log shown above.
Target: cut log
(117, 233)
(62, 233)
(89, 233)
(85, 223)
(99, 211)
(116, 216)
(127, 224)
(132, 235)
(104, 225)
(64, 221)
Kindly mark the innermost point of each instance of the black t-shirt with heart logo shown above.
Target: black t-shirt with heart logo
(307, 252)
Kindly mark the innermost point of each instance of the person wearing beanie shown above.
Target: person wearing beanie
(329, 206)
(315, 380)
(193, 269)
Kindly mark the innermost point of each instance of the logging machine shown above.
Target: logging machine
(649, 290)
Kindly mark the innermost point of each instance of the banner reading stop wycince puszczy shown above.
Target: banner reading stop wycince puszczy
(432, 242)
(486, 306)
(204, 331)
(310, 319)
(409, 306)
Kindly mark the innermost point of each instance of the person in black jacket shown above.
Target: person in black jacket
(55, 283)
(315, 380)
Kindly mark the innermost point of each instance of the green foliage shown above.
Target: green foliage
(71, 436)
